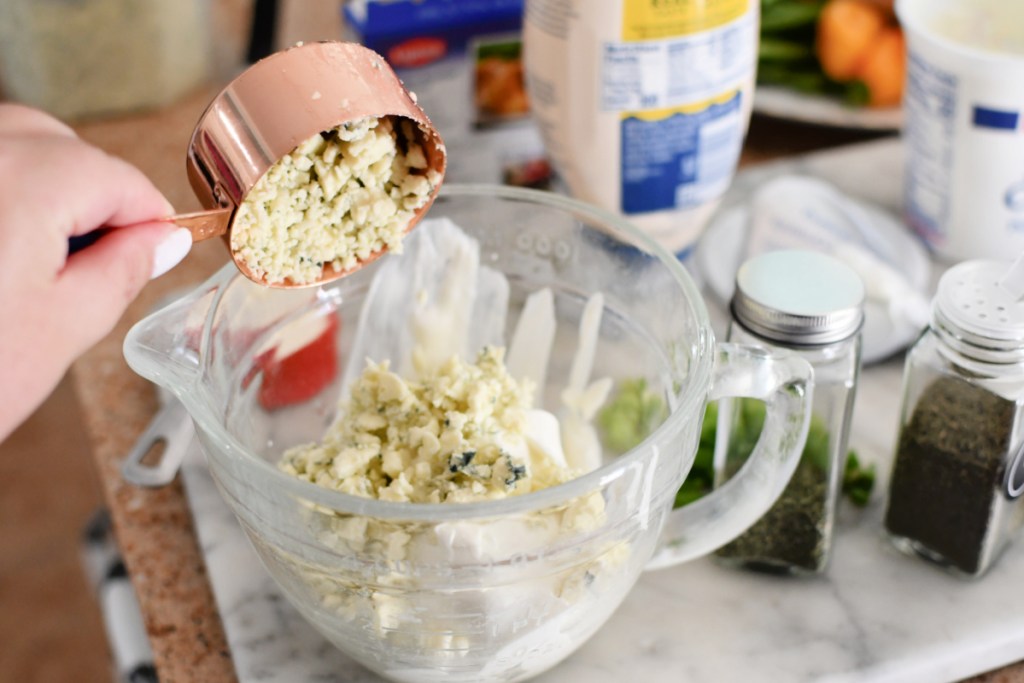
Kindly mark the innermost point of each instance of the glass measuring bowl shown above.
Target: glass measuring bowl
(499, 590)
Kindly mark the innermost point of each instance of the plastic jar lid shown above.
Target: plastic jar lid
(974, 309)
(799, 297)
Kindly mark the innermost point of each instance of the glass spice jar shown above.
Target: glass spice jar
(958, 471)
(812, 305)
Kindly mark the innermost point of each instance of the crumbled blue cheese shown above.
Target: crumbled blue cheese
(456, 434)
(338, 198)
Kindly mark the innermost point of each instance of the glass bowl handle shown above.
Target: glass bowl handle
(784, 382)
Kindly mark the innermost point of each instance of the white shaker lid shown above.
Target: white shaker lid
(798, 297)
(973, 304)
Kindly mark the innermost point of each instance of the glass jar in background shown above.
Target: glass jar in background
(82, 58)
(957, 477)
(812, 305)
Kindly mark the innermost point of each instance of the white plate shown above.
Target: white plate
(720, 252)
(783, 103)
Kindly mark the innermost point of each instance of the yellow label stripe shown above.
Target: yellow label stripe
(665, 112)
(659, 19)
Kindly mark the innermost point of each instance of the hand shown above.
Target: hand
(53, 307)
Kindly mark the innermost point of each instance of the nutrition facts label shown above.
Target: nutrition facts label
(664, 73)
(929, 111)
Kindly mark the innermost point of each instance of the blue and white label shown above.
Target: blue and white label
(930, 111)
(679, 158)
(964, 133)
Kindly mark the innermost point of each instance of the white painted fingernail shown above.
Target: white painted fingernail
(171, 251)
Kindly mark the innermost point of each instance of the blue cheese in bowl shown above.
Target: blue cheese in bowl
(456, 433)
(338, 198)
(464, 432)
(439, 417)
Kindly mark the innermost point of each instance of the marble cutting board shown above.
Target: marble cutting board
(877, 617)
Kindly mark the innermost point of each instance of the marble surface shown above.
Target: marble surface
(878, 616)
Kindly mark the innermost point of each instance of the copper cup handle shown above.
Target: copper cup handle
(203, 224)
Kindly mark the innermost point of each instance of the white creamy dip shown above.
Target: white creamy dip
(993, 25)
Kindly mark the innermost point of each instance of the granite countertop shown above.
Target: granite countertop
(153, 526)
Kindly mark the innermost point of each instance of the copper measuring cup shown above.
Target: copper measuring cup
(274, 106)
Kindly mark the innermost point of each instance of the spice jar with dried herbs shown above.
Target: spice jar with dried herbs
(811, 304)
(958, 470)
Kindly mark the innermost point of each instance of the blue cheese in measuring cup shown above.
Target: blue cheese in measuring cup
(338, 198)
(643, 106)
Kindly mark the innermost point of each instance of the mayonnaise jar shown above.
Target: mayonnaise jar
(643, 104)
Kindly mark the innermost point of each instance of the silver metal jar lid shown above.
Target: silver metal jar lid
(977, 315)
(798, 297)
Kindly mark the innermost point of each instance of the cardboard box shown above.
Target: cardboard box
(462, 59)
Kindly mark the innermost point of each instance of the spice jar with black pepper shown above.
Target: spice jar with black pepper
(958, 470)
(811, 304)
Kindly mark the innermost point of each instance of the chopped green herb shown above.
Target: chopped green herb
(636, 411)
(858, 480)
(631, 416)
(701, 478)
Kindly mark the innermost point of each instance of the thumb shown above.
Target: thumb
(99, 282)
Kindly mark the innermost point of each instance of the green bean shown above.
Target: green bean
(783, 50)
(784, 16)
(856, 93)
(808, 82)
